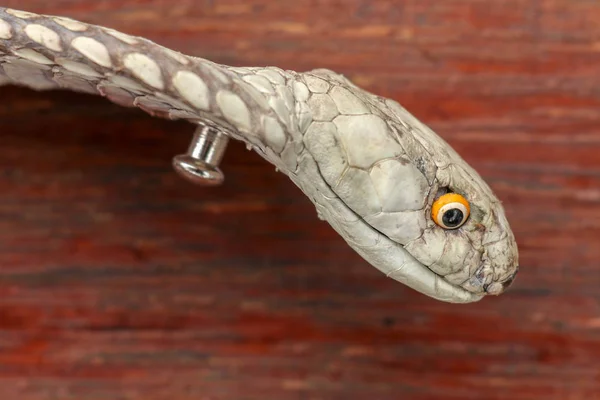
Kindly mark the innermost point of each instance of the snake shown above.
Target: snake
(395, 191)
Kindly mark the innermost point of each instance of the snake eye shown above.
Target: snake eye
(450, 211)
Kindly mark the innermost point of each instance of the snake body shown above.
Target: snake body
(372, 170)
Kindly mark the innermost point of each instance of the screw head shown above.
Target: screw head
(197, 171)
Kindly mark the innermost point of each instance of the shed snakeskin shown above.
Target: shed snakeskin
(372, 170)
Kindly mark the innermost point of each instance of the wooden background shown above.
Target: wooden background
(119, 280)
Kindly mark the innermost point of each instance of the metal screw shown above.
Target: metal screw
(200, 164)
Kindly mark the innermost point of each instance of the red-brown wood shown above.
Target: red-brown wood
(119, 280)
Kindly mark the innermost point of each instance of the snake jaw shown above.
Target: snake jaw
(394, 260)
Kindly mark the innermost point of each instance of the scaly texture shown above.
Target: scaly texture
(371, 169)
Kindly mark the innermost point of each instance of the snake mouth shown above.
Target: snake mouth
(397, 263)
(434, 285)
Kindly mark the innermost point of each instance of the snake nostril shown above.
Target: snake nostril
(510, 280)
(498, 287)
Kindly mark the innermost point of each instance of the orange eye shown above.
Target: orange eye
(450, 211)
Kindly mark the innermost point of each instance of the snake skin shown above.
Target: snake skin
(371, 169)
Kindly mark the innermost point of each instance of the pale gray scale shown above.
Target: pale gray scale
(77, 68)
(274, 134)
(301, 120)
(177, 56)
(483, 276)
(286, 95)
(235, 110)
(24, 72)
(176, 114)
(436, 147)
(331, 207)
(278, 105)
(117, 94)
(258, 97)
(25, 63)
(301, 92)
(172, 101)
(415, 152)
(5, 30)
(71, 24)
(495, 252)
(33, 56)
(122, 36)
(356, 189)
(455, 252)
(346, 102)
(322, 107)
(93, 50)
(457, 173)
(366, 139)
(473, 232)
(344, 221)
(153, 105)
(321, 191)
(241, 70)
(260, 83)
(400, 185)
(290, 158)
(323, 144)
(128, 84)
(145, 69)
(498, 218)
(60, 70)
(332, 77)
(428, 248)
(214, 70)
(443, 177)
(316, 84)
(20, 14)
(402, 227)
(305, 117)
(441, 159)
(44, 36)
(272, 74)
(74, 83)
(470, 264)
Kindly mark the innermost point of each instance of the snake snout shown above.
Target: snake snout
(497, 288)
(507, 283)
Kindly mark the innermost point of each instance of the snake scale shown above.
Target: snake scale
(397, 193)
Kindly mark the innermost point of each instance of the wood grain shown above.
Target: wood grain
(119, 280)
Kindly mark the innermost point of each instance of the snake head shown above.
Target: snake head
(409, 204)
(467, 239)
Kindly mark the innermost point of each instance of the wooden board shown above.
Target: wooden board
(119, 280)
